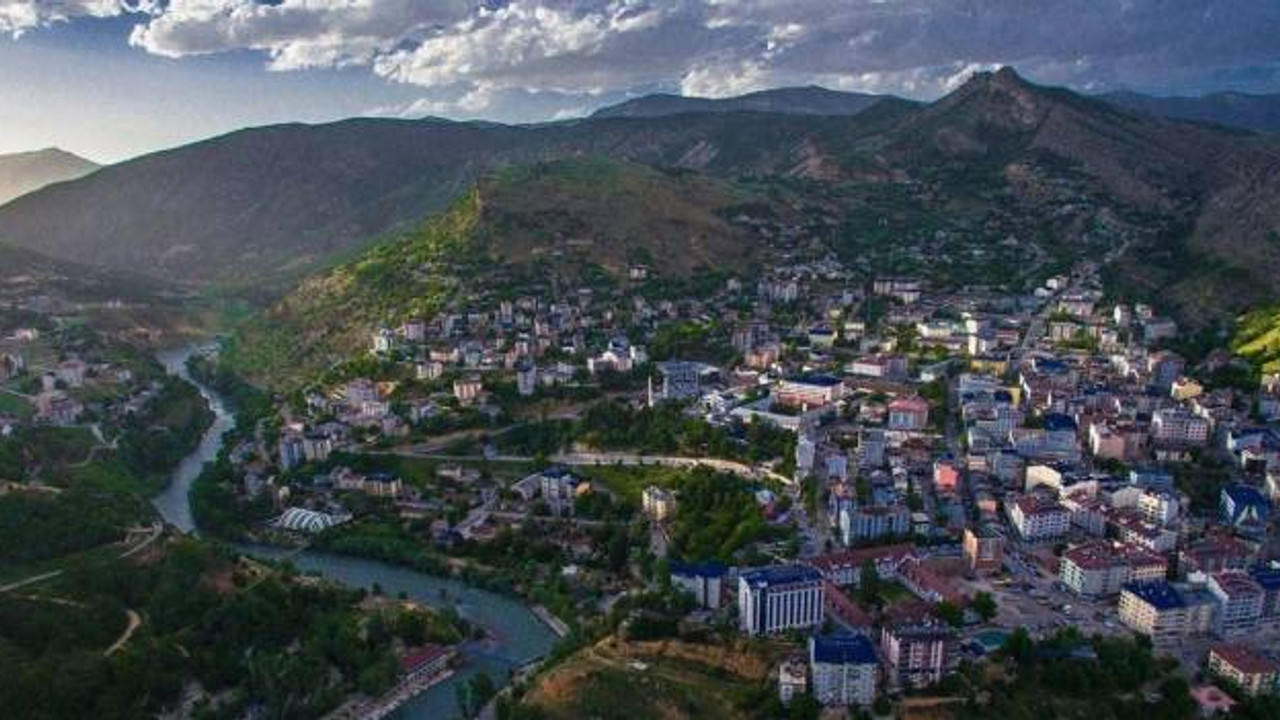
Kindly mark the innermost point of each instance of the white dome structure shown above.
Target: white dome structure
(308, 521)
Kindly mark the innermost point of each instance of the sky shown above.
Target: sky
(111, 79)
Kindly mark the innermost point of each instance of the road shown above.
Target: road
(603, 458)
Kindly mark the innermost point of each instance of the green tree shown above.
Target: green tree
(984, 604)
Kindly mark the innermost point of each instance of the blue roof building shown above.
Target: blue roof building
(1244, 507)
(844, 669)
(780, 598)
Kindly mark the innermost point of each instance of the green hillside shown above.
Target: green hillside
(519, 230)
(1258, 339)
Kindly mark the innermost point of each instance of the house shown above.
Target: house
(909, 413)
(845, 567)
(1246, 668)
(779, 598)
(844, 669)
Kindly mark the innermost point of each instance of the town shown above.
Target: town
(896, 478)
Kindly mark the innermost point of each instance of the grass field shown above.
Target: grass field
(654, 680)
(629, 481)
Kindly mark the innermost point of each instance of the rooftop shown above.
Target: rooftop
(1245, 659)
(843, 650)
(781, 575)
(1158, 594)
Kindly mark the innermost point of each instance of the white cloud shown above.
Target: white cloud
(19, 16)
(481, 56)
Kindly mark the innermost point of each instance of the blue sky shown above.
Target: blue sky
(114, 78)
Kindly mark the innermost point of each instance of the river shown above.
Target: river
(516, 635)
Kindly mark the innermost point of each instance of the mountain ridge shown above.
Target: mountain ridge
(279, 201)
(799, 100)
(25, 172)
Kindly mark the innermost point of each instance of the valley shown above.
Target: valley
(794, 404)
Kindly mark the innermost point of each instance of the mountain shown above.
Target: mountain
(277, 201)
(810, 100)
(22, 173)
(1036, 177)
(1242, 111)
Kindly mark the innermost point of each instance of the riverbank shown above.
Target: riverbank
(516, 635)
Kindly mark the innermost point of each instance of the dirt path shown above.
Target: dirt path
(135, 620)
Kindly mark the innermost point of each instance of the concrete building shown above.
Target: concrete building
(1165, 612)
(1240, 601)
(658, 503)
(983, 550)
(917, 656)
(1101, 569)
(779, 598)
(844, 669)
(1038, 518)
(705, 581)
(1248, 669)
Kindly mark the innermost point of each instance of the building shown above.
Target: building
(1168, 612)
(809, 391)
(1039, 518)
(526, 377)
(291, 452)
(467, 389)
(779, 598)
(1101, 569)
(1240, 600)
(1213, 554)
(917, 656)
(681, 380)
(1179, 427)
(704, 581)
(658, 503)
(1248, 669)
(871, 522)
(793, 679)
(844, 669)
(1244, 508)
(425, 662)
(983, 550)
(909, 413)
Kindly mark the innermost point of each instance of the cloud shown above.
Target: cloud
(19, 16)
(478, 57)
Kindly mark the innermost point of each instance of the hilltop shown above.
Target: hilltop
(21, 173)
(810, 100)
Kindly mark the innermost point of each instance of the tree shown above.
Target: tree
(950, 613)
(984, 605)
(869, 586)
